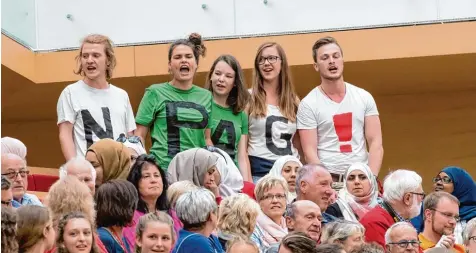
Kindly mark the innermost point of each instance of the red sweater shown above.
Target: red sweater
(376, 223)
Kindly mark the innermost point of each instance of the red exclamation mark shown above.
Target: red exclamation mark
(343, 126)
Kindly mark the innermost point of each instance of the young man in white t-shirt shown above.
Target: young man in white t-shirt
(336, 119)
(92, 109)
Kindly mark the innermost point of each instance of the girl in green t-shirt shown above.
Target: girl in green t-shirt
(177, 112)
(229, 120)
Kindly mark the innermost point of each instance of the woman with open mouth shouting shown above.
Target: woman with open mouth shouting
(229, 121)
(177, 112)
(272, 111)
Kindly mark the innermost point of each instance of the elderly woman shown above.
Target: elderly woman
(348, 233)
(151, 183)
(69, 195)
(359, 195)
(469, 236)
(287, 167)
(211, 168)
(460, 184)
(111, 159)
(271, 193)
(197, 210)
(236, 218)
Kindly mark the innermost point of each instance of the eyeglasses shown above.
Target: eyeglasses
(422, 194)
(12, 175)
(271, 197)
(447, 215)
(404, 244)
(132, 139)
(271, 59)
(8, 203)
(445, 180)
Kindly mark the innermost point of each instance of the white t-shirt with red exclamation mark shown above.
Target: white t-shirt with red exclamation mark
(340, 126)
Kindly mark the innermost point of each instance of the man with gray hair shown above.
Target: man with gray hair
(82, 169)
(402, 237)
(314, 183)
(14, 169)
(402, 199)
(304, 216)
(441, 213)
(197, 210)
(469, 236)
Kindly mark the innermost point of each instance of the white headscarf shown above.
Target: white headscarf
(348, 203)
(13, 146)
(137, 147)
(277, 169)
(231, 178)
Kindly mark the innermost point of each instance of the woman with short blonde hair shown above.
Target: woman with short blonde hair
(271, 193)
(349, 234)
(236, 217)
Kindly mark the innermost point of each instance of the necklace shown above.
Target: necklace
(325, 93)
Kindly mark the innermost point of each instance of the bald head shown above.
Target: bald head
(82, 169)
(304, 216)
(14, 168)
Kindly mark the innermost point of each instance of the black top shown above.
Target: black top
(223, 243)
(335, 211)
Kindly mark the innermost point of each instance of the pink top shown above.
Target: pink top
(130, 231)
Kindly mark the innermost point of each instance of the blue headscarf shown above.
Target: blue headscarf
(464, 190)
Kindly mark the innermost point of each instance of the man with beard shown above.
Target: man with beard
(441, 213)
(336, 119)
(402, 199)
(304, 216)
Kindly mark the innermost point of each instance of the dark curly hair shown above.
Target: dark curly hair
(62, 224)
(136, 175)
(116, 201)
(9, 230)
(195, 42)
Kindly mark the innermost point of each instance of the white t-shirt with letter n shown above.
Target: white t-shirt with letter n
(340, 126)
(95, 113)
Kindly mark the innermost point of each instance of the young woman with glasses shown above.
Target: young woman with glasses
(272, 111)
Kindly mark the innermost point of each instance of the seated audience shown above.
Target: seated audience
(9, 230)
(155, 233)
(241, 244)
(314, 183)
(460, 184)
(13, 146)
(330, 248)
(197, 209)
(7, 195)
(236, 218)
(469, 236)
(402, 237)
(35, 231)
(298, 242)
(134, 144)
(14, 169)
(402, 198)
(348, 233)
(116, 201)
(271, 193)
(287, 167)
(441, 214)
(75, 234)
(358, 196)
(304, 216)
(69, 195)
(82, 169)
(110, 159)
(151, 184)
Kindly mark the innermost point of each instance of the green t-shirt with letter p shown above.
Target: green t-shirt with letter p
(177, 119)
